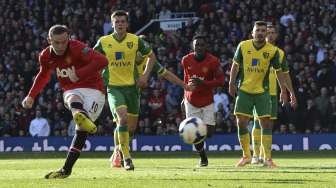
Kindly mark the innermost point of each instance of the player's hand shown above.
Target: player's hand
(73, 76)
(196, 81)
(293, 101)
(189, 87)
(232, 89)
(142, 82)
(283, 97)
(28, 102)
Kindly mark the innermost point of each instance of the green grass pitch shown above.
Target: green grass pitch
(160, 170)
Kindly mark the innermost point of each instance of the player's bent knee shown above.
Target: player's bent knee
(77, 106)
(242, 121)
(123, 120)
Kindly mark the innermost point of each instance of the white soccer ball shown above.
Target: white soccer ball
(193, 130)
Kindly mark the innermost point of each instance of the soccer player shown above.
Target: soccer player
(203, 71)
(122, 79)
(258, 156)
(252, 61)
(78, 70)
(116, 157)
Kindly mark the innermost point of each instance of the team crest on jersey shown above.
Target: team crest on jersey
(68, 60)
(205, 69)
(130, 45)
(109, 45)
(85, 50)
(266, 55)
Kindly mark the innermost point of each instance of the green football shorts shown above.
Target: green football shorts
(123, 96)
(246, 103)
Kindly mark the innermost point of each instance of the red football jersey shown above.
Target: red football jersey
(78, 57)
(209, 71)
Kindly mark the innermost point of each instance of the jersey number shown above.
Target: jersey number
(94, 107)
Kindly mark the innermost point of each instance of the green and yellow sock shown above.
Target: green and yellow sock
(244, 140)
(123, 137)
(266, 142)
(256, 138)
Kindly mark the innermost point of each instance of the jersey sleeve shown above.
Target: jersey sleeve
(99, 47)
(284, 62)
(238, 56)
(42, 78)
(144, 48)
(275, 61)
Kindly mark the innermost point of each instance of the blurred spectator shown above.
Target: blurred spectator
(72, 128)
(171, 101)
(291, 128)
(311, 116)
(221, 98)
(331, 114)
(164, 13)
(322, 103)
(156, 103)
(39, 126)
(283, 129)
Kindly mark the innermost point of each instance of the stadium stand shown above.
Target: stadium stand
(307, 34)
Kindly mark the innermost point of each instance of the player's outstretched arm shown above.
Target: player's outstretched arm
(142, 82)
(41, 80)
(174, 79)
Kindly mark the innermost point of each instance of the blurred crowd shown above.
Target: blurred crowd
(307, 34)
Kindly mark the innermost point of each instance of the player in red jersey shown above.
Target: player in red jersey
(203, 71)
(78, 70)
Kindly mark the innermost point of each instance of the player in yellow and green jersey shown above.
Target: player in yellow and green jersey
(116, 158)
(258, 155)
(252, 61)
(122, 78)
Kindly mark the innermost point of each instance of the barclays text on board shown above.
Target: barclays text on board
(167, 143)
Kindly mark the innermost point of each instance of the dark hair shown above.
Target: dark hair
(260, 23)
(119, 13)
(199, 37)
(58, 29)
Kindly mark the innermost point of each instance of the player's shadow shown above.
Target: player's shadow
(311, 168)
(250, 180)
(277, 181)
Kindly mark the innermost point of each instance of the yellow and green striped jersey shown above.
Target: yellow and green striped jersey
(121, 70)
(272, 76)
(254, 66)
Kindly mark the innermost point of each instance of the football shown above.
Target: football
(192, 130)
